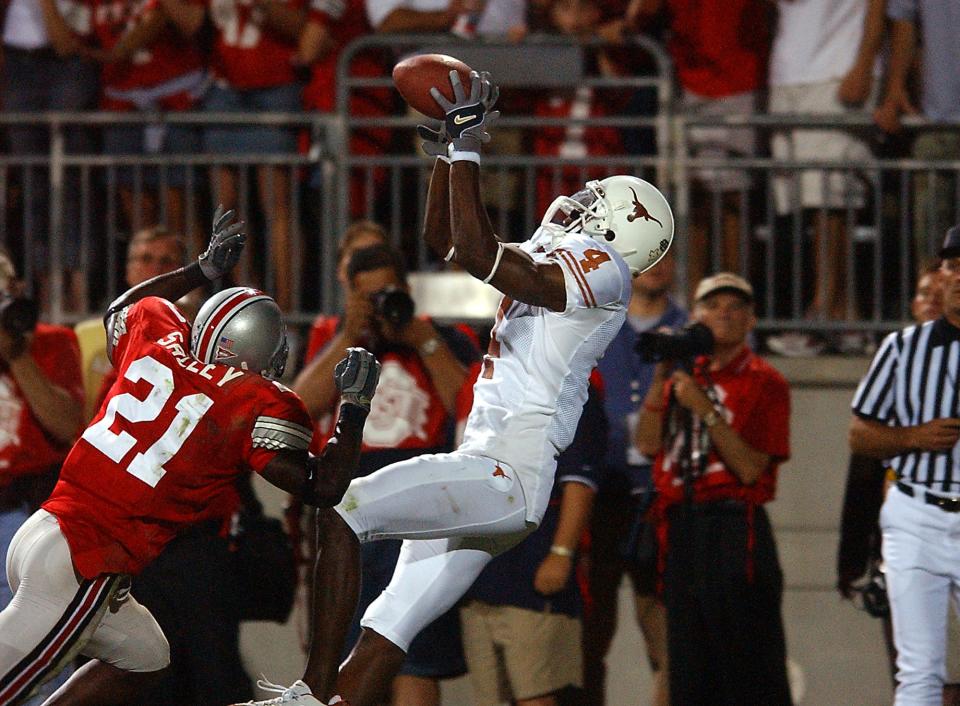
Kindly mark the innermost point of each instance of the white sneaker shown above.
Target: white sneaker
(856, 343)
(795, 345)
(297, 693)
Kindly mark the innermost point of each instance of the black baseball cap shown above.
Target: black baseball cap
(951, 243)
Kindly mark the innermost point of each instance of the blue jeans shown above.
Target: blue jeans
(252, 139)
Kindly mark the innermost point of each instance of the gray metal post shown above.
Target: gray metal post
(55, 236)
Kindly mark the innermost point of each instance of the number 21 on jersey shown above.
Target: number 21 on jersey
(147, 466)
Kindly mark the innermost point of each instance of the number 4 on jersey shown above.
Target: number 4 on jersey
(593, 260)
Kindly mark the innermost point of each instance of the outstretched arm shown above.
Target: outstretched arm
(221, 255)
(480, 252)
(322, 481)
(436, 224)
(475, 245)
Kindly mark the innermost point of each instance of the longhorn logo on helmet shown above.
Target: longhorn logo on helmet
(640, 211)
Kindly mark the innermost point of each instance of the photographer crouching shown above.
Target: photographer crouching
(717, 420)
(41, 409)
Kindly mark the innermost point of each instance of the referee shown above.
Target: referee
(907, 410)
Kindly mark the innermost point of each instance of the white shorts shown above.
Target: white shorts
(455, 511)
(53, 616)
(817, 188)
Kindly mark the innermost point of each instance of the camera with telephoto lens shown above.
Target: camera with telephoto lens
(393, 305)
(18, 315)
(684, 345)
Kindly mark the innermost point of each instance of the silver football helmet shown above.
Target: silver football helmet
(243, 328)
(625, 211)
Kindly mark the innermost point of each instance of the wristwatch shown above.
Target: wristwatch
(429, 347)
(711, 418)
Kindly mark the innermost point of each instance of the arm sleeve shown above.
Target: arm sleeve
(281, 423)
(874, 396)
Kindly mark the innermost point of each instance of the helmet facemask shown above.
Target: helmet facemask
(583, 212)
(278, 363)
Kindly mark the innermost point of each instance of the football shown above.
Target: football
(416, 75)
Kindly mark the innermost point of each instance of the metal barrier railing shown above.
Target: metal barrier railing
(79, 195)
(87, 204)
(885, 232)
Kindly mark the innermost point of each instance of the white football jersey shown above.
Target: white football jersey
(530, 394)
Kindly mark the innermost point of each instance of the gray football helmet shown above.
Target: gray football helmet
(243, 328)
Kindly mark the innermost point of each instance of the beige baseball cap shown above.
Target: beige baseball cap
(723, 282)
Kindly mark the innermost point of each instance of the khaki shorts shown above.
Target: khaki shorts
(515, 653)
(817, 188)
(721, 141)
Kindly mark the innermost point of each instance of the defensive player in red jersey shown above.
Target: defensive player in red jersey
(190, 411)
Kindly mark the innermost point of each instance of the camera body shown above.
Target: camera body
(874, 593)
(691, 341)
(18, 315)
(394, 305)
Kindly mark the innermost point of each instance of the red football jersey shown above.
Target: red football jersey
(720, 48)
(755, 402)
(165, 58)
(25, 448)
(246, 53)
(168, 445)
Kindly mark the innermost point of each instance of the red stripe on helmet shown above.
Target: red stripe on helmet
(206, 345)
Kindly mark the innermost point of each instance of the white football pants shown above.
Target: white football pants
(921, 552)
(455, 513)
(53, 616)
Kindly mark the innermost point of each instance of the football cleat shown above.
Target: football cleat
(297, 693)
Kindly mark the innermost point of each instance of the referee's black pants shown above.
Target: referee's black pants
(722, 589)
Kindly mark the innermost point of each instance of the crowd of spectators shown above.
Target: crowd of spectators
(729, 59)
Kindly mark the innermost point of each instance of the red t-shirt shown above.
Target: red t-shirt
(407, 412)
(167, 448)
(756, 404)
(246, 53)
(167, 57)
(720, 48)
(345, 20)
(25, 449)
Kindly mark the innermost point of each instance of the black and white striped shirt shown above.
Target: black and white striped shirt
(913, 380)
